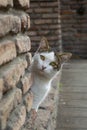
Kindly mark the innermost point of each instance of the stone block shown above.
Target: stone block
(1, 84)
(9, 23)
(23, 44)
(29, 58)
(7, 51)
(9, 101)
(1, 95)
(1, 87)
(17, 118)
(28, 101)
(12, 72)
(6, 3)
(26, 82)
(25, 22)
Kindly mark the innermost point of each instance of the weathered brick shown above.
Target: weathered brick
(42, 10)
(34, 5)
(12, 72)
(1, 84)
(67, 12)
(35, 39)
(22, 3)
(50, 26)
(49, 4)
(25, 22)
(32, 33)
(17, 118)
(28, 101)
(23, 44)
(26, 82)
(9, 23)
(42, 21)
(10, 100)
(29, 58)
(6, 3)
(1, 87)
(51, 15)
(52, 38)
(7, 51)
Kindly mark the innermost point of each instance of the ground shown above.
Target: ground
(72, 107)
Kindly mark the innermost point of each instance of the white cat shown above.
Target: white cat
(44, 67)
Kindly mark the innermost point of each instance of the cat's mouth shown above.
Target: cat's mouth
(41, 71)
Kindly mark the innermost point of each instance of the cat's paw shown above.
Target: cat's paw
(33, 114)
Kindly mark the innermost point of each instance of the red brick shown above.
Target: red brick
(67, 12)
(42, 21)
(42, 10)
(51, 15)
(49, 4)
(34, 4)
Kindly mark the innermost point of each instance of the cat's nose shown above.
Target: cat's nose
(43, 67)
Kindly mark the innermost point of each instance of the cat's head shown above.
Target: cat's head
(47, 63)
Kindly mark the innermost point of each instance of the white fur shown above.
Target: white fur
(42, 79)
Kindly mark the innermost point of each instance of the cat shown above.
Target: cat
(46, 64)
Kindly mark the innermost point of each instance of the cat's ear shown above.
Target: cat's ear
(44, 45)
(64, 57)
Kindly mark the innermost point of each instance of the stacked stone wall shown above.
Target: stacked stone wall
(15, 58)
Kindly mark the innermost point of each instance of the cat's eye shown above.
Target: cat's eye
(42, 57)
(53, 64)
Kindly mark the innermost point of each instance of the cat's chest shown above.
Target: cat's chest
(41, 84)
(45, 86)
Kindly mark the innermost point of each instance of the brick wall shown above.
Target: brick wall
(15, 99)
(45, 22)
(74, 26)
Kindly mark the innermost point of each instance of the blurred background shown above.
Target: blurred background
(63, 22)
